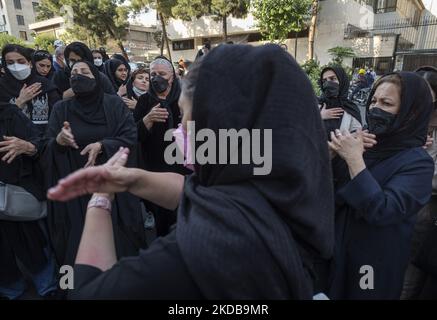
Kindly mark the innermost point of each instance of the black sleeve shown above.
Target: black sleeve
(142, 109)
(158, 273)
(26, 130)
(56, 122)
(107, 85)
(61, 82)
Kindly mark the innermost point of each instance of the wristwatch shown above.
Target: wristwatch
(101, 203)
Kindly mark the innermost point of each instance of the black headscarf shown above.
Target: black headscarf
(62, 77)
(172, 97)
(111, 67)
(89, 107)
(411, 126)
(10, 87)
(341, 101)
(42, 55)
(244, 236)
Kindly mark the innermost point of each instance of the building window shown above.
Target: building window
(17, 4)
(35, 7)
(23, 35)
(20, 20)
(4, 20)
(383, 6)
(183, 45)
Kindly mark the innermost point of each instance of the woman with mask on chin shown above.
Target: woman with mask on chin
(22, 86)
(86, 131)
(137, 85)
(98, 60)
(380, 191)
(155, 113)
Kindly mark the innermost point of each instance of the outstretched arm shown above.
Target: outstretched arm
(163, 189)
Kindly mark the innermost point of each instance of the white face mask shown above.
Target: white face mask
(20, 71)
(138, 92)
(98, 62)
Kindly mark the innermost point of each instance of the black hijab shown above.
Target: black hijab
(341, 101)
(89, 107)
(10, 87)
(111, 67)
(411, 126)
(42, 55)
(244, 236)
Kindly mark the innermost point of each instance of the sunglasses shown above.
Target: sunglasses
(43, 55)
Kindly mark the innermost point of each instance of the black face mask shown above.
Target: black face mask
(331, 89)
(380, 121)
(159, 84)
(82, 84)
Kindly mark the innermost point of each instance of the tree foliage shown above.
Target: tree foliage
(220, 10)
(340, 53)
(277, 18)
(45, 42)
(8, 39)
(101, 18)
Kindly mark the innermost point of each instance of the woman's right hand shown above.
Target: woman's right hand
(334, 113)
(109, 178)
(27, 93)
(157, 114)
(66, 138)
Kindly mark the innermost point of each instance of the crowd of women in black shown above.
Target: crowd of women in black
(345, 192)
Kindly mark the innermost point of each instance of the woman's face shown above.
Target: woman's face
(387, 97)
(43, 67)
(121, 72)
(163, 71)
(142, 82)
(97, 55)
(186, 107)
(73, 57)
(15, 57)
(330, 75)
(83, 69)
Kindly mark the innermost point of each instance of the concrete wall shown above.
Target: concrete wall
(335, 15)
(11, 17)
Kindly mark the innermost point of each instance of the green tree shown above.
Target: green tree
(101, 18)
(277, 18)
(45, 42)
(313, 69)
(164, 9)
(221, 10)
(340, 53)
(8, 39)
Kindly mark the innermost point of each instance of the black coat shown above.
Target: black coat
(112, 124)
(24, 240)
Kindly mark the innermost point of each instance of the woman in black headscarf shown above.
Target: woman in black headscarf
(82, 132)
(26, 242)
(118, 73)
(238, 235)
(74, 52)
(98, 60)
(379, 194)
(42, 61)
(22, 86)
(155, 113)
(337, 111)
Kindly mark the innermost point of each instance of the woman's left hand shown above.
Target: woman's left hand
(349, 147)
(122, 91)
(93, 150)
(13, 147)
(131, 103)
